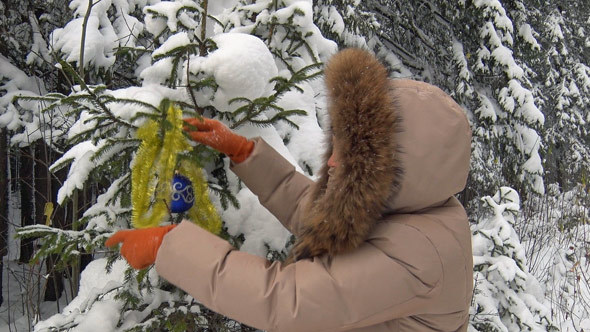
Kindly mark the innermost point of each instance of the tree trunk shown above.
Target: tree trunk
(86, 257)
(44, 195)
(3, 204)
(26, 200)
(59, 221)
(75, 281)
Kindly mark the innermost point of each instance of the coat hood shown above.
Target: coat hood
(403, 146)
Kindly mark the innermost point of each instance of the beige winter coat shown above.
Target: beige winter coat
(382, 244)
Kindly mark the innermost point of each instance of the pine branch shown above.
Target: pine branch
(56, 241)
(226, 196)
(281, 116)
(56, 167)
(110, 99)
(178, 51)
(253, 108)
(188, 87)
(95, 100)
(112, 144)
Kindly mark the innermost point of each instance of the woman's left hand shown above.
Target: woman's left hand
(140, 246)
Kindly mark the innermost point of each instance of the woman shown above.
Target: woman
(382, 243)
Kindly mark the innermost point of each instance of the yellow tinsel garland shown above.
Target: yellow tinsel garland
(152, 174)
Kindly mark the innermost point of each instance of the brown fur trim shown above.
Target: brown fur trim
(347, 204)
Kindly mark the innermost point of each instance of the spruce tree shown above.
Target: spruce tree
(565, 78)
(506, 296)
(135, 61)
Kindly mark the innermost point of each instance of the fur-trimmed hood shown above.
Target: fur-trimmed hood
(403, 146)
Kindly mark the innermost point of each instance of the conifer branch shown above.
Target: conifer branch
(95, 99)
(188, 86)
(272, 25)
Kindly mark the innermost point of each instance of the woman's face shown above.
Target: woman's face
(334, 159)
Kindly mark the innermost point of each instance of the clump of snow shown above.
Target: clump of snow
(102, 316)
(503, 55)
(16, 80)
(459, 57)
(334, 19)
(298, 13)
(177, 40)
(157, 74)
(99, 8)
(82, 164)
(149, 93)
(526, 32)
(528, 142)
(100, 43)
(164, 14)
(39, 51)
(127, 29)
(94, 308)
(583, 74)
(143, 63)
(486, 108)
(399, 70)
(526, 103)
(242, 66)
(10, 119)
(85, 122)
(464, 86)
(554, 23)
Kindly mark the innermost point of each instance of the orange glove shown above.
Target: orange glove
(216, 135)
(140, 246)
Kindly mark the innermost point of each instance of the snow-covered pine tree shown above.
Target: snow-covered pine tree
(24, 26)
(557, 221)
(565, 77)
(412, 38)
(506, 121)
(506, 296)
(348, 22)
(250, 65)
(419, 35)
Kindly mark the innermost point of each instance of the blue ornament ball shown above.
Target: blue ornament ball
(182, 194)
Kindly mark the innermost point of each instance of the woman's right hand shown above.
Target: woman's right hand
(218, 136)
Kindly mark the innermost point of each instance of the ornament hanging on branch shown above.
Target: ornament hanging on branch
(182, 196)
(160, 185)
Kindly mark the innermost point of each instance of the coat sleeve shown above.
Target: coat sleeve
(279, 187)
(362, 288)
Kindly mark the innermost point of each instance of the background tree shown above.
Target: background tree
(3, 205)
(506, 296)
(138, 56)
